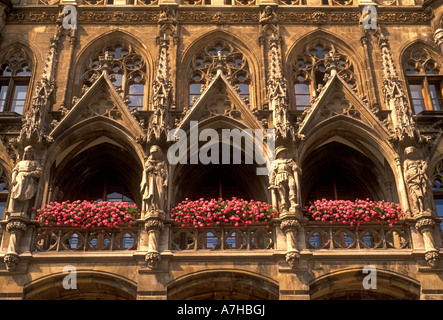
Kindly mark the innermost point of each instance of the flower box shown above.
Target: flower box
(354, 213)
(102, 216)
(237, 212)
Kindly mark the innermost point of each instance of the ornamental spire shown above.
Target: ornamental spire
(395, 96)
(162, 100)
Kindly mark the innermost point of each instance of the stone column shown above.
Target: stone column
(16, 227)
(425, 226)
(290, 226)
(154, 225)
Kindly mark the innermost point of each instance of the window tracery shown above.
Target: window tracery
(203, 69)
(423, 74)
(309, 70)
(128, 72)
(15, 75)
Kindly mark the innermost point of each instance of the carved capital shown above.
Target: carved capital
(154, 224)
(16, 226)
(424, 224)
(289, 225)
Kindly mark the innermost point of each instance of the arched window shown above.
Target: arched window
(128, 72)
(424, 80)
(15, 75)
(308, 72)
(437, 190)
(203, 69)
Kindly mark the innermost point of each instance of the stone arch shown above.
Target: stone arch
(223, 285)
(348, 285)
(91, 285)
(360, 147)
(187, 177)
(94, 146)
(196, 46)
(418, 44)
(300, 46)
(97, 44)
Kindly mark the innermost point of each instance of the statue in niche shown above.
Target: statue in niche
(25, 178)
(416, 179)
(154, 182)
(283, 180)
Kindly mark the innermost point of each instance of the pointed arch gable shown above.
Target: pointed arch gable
(252, 55)
(374, 152)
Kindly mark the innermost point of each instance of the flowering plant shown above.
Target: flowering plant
(201, 213)
(355, 212)
(88, 215)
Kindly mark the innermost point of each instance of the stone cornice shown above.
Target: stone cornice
(220, 15)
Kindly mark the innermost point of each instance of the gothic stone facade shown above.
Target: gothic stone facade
(86, 113)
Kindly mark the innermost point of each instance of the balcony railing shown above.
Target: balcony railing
(75, 239)
(222, 238)
(370, 236)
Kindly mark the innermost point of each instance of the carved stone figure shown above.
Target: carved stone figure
(154, 182)
(416, 180)
(24, 182)
(283, 180)
(268, 16)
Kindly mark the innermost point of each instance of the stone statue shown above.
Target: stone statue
(283, 180)
(268, 16)
(25, 178)
(416, 179)
(154, 182)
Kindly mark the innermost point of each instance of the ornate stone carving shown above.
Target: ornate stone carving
(426, 226)
(89, 15)
(395, 97)
(154, 182)
(25, 178)
(37, 124)
(417, 180)
(16, 227)
(154, 225)
(283, 181)
(290, 227)
(11, 260)
(162, 100)
(153, 259)
(278, 93)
